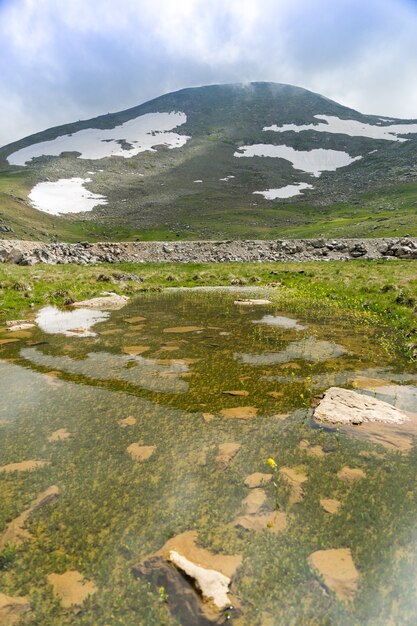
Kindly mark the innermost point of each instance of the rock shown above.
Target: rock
(254, 501)
(23, 466)
(183, 329)
(16, 533)
(13, 609)
(59, 435)
(351, 473)
(238, 393)
(274, 522)
(135, 320)
(127, 421)
(135, 350)
(295, 479)
(108, 301)
(208, 417)
(19, 326)
(330, 506)
(338, 570)
(316, 451)
(211, 575)
(214, 586)
(71, 588)
(344, 406)
(183, 601)
(227, 451)
(257, 480)
(240, 412)
(140, 453)
(252, 302)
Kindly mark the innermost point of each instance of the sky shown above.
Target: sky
(65, 60)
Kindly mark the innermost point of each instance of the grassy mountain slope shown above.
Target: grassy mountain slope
(153, 195)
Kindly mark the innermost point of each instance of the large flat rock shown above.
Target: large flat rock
(344, 406)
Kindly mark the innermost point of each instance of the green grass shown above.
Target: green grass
(387, 213)
(387, 289)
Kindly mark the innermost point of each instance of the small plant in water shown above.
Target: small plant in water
(163, 596)
(274, 466)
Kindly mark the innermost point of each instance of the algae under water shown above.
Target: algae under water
(162, 422)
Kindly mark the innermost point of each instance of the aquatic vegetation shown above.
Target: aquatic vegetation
(146, 449)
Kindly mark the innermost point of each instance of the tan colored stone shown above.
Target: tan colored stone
(351, 473)
(239, 393)
(338, 570)
(316, 451)
(183, 329)
(274, 522)
(140, 453)
(59, 435)
(23, 466)
(186, 545)
(227, 451)
(257, 480)
(71, 588)
(275, 394)
(240, 412)
(296, 479)
(254, 501)
(13, 609)
(330, 506)
(15, 532)
(127, 421)
(208, 417)
(135, 319)
(135, 350)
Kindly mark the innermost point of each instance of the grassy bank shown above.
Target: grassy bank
(385, 290)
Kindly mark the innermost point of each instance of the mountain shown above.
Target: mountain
(261, 160)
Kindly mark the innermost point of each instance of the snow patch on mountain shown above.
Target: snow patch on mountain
(66, 195)
(284, 192)
(127, 140)
(353, 128)
(310, 161)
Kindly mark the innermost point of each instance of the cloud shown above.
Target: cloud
(73, 59)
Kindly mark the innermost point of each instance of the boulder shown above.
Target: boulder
(344, 406)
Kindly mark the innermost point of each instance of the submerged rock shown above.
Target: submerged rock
(254, 501)
(274, 521)
(13, 609)
(338, 570)
(127, 421)
(240, 412)
(351, 473)
(139, 452)
(330, 506)
(213, 586)
(71, 588)
(202, 590)
(23, 466)
(227, 451)
(296, 479)
(344, 406)
(16, 533)
(59, 435)
(257, 479)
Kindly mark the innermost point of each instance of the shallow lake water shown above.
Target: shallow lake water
(134, 423)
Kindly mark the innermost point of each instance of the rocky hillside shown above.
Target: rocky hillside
(220, 161)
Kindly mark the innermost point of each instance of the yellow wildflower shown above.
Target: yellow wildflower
(272, 463)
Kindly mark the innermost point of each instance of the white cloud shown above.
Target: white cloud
(73, 59)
